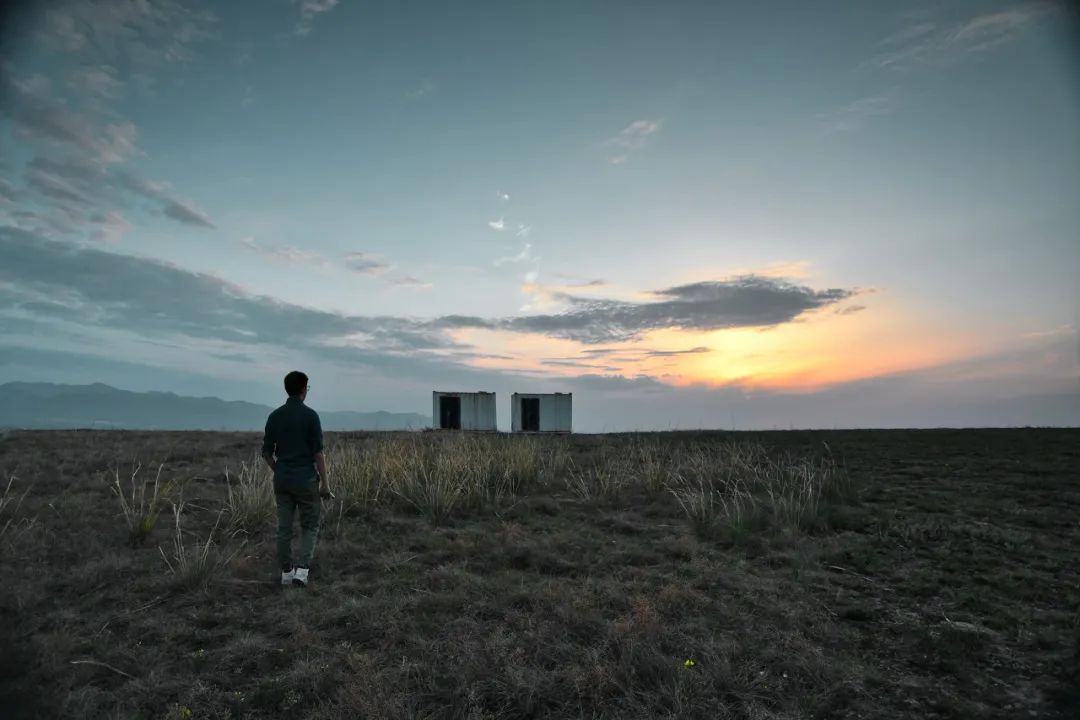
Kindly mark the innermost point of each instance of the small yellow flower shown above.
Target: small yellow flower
(688, 663)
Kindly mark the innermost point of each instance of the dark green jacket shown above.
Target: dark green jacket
(293, 434)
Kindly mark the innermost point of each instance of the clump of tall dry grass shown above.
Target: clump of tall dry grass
(9, 509)
(362, 477)
(605, 479)
(250, 500)
(9, 504)
(435, 480)
(140, 509)
(652, 466)
(738, 485)
(200, 563)
(554, 461)
(436, 476)
(741, 487)
(520, 460)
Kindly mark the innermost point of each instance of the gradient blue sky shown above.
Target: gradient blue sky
(688, 214)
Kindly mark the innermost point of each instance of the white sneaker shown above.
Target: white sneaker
(300, 577)
(287, 577)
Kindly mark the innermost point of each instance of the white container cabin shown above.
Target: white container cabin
(541, 412)
(463, 410)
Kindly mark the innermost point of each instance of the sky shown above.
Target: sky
(688, 214)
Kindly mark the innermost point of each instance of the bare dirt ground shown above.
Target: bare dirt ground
(949, 588)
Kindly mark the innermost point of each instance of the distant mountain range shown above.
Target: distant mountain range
(49, 406)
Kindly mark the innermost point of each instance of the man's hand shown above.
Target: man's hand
(320, 472)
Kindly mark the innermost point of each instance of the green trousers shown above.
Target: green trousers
(290, 499)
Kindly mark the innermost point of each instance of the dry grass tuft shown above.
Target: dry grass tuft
(742, 488)
(435, 480)
(361, 478)
(141, 510)
(13, 526)
(520, 460)
(460, 471)
(607, 479)
(9, 505)
(200, 564)
(653, 467)
(249, 501)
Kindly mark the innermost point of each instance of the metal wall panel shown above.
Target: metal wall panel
(477, 409)
(564, 412)
(556, 411)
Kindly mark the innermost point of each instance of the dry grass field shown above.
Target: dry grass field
(844, 574)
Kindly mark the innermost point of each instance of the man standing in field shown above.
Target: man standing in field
(293, 448)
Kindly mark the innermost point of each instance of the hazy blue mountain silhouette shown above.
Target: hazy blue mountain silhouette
(51, 406)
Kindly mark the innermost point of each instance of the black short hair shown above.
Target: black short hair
(295, 382)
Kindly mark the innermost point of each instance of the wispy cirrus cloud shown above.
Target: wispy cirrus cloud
(927, 42)
(311, 9)
(577, 364)
(53, 281)
(172, 207)
(366, 264)
(8, 193)
(548, 297)
(39, 118)
(77, 177)
(625, 357)
(287, 254)
(111, 227)
(631, 139)
(59, 189)
(672, 353)
(356, 262)
(409, 281)
(150, 32)
(1059, 331)
(588, 284)
(182, 212)
(858, 113)
(524, 256)
(101, 82)
(497, 225)
(576, 282)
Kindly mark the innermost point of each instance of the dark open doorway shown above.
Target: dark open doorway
(450, 413)
(530, 414)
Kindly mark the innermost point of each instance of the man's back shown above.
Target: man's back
(294, 435)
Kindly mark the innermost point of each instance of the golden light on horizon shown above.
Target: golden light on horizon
(817, 350)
